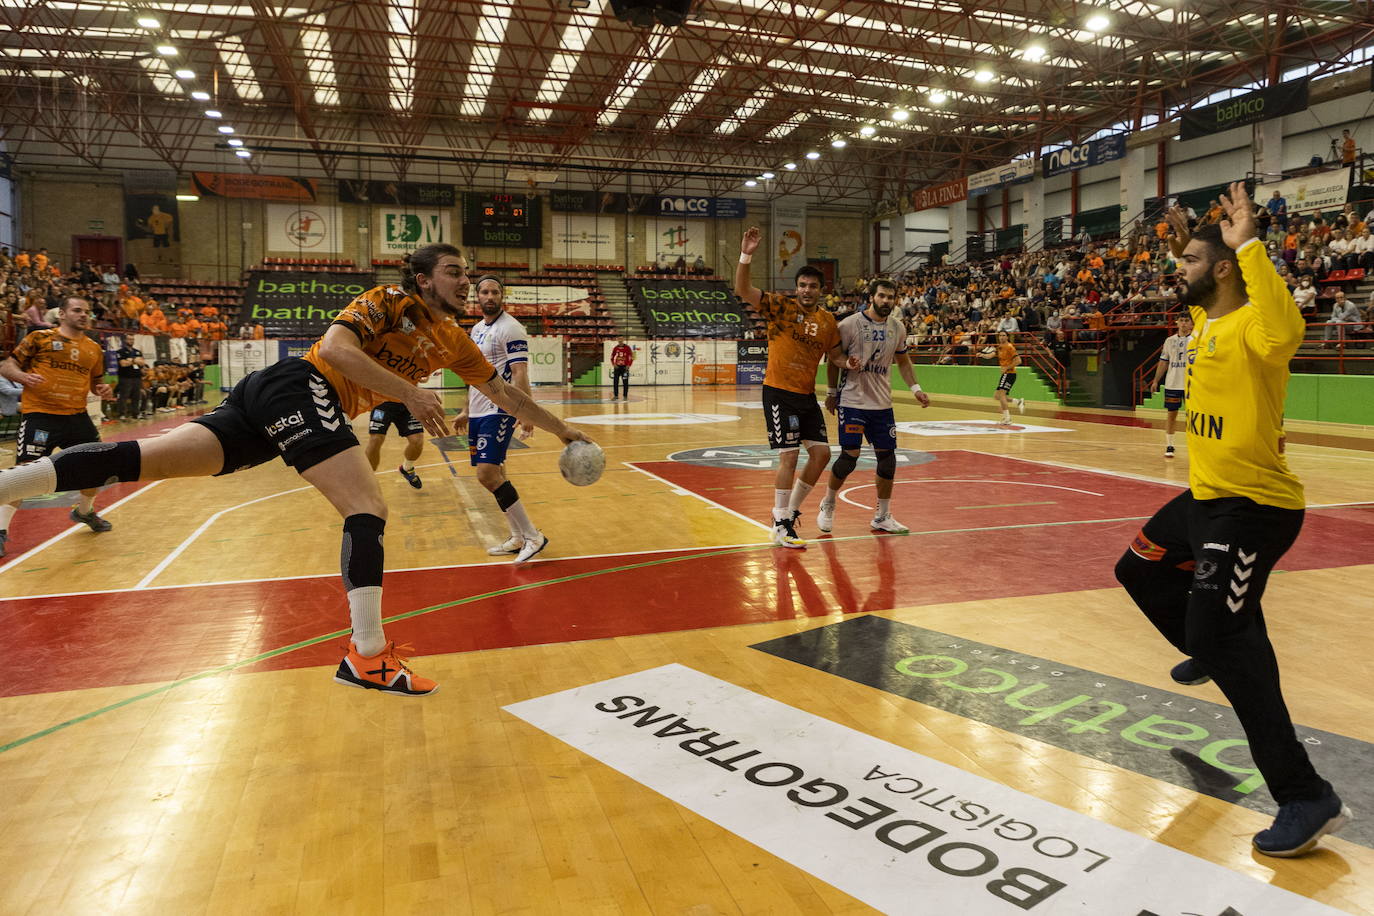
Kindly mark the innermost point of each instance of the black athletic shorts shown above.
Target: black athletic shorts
(393, 413)
(792, 418)
(1006, 381)
(41, 433)
(287, 409)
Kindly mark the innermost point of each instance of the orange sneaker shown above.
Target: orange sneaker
(386, 671)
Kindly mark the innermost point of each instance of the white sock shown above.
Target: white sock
(828, 500)
(799, 490)
(780, 510)
(883, 509)
(1169, 439)
(407, 464)
(6, 513)
(85, 505)
(1006, 416)
(365, 610)
(520, 522)
(36, 478)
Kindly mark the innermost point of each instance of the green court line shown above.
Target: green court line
(664, 561)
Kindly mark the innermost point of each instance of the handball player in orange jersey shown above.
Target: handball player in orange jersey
(377, 349)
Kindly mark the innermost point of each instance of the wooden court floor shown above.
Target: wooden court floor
(171, 740)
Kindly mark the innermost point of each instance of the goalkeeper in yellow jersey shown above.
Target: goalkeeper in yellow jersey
(1199, 567)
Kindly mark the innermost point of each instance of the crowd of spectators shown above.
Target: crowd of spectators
(1070, 296)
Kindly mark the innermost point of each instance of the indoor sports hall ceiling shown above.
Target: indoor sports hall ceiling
(500, 90)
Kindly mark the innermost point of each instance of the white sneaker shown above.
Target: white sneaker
(510, 545)
(785, 534)
(825, 519)
(531, 548)
(888, 523)
(1021, 404)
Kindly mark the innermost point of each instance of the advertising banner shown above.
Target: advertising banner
(253, 187)
(667, 240)
(788, 240)
(1083, 155)
(400, 232)
(689, 308)
(584, 238)
(398, 193)
(237, 358)
(646, 204)
(1017, 172)
(1322, 191)
(1251, 108)
(304, 230)
(299, 304)
(712, 362)
(547, 361)
(522, 301)
(150, 207)
(940, 195)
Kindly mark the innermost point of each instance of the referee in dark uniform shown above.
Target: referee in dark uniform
(1199, 567)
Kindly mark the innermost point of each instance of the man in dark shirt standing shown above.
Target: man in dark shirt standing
(130, 385)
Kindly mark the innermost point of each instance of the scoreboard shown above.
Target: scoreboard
(502, 220)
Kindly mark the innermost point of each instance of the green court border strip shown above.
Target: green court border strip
(316, 640)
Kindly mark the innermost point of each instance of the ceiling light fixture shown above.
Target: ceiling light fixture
(235, 141)
(1097, 22)
(867, 130)
(1035, 53)
(167, 50)
(188, 197)
(200, 95)
(813, 155)
(768, 176)
(751, 183)
(225, 129)
(937, 97)
(982, 76)
(839, 143)
(242, 153)
(148, 22)
(790, 166)
(186, 74)
(213, 113)
(900, 115)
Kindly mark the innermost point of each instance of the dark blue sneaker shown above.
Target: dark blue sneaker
(92, 521)
(1189, 673)
(411, 477)
(1301, 824)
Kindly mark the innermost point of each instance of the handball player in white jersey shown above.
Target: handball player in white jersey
(863, 398)
(1173, 372)
(503, 341)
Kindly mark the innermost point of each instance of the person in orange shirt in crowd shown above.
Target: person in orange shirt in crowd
(176, 328)
(1097, 323)
(1347, 148)
(259, 333)
(208, 311)
(194, 328)
(40, 260)
(21, 260)
(153, 321)
(1085, 276)
(1096, 264)
(1162, 230)
(1290, 246)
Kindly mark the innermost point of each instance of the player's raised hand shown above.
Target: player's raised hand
(1238, 224)
(750, 243)
(1177, 218)
(425, 406)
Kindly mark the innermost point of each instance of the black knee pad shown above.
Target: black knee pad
(1133, 572)
(362, 557)
(887, 463)
(844, 466)
(97, 464)
(506, 495)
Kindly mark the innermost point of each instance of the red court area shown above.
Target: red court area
(983, 527)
